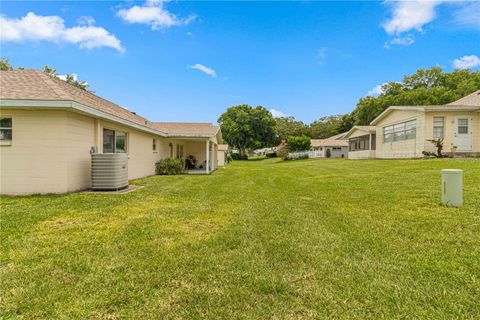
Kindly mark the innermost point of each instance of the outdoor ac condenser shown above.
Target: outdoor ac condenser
(109, 171)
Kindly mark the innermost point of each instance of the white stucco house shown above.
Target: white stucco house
(404, 131)
(48, 128)
(337, 144)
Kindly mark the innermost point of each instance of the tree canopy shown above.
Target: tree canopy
(301, 143)
(246, 127)
(288, 126)
(5, 65)
(424, 87)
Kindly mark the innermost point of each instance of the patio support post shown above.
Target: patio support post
(369, 141)
(207, 154)
(212, 157)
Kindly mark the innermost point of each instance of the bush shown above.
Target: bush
(237, 156)
(169, 166)
(229, 158)
(271, 155)
(298, 143)
(328, 153)
(283, 154)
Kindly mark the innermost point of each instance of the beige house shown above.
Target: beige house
(338, 146)
(48, 129)
(404, 131)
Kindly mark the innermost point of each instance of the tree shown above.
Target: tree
(326, 127)
(70, 78)
(296, 144)
(5, 65)
(246, 127)
(288, 126)
(424, 87)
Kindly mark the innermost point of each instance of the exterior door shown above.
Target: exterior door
(463, 133)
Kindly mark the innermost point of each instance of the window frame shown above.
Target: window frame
(154, 145)
(7, 142)
(436, 126)
(401, 131)
(125, 135)
(467, 126)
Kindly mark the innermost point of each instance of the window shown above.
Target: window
(154, 145)
(5, 129)
(438, 127)
(336, 148)
(179, 151)
(359, 143)
(463, 126)
(401, 131)
(114, 141)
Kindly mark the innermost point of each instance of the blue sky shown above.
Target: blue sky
(189, 61)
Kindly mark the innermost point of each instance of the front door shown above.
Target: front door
(463, 134)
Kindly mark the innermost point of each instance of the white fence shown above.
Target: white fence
(303, 154)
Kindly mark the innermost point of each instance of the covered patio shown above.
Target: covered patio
(195, 143)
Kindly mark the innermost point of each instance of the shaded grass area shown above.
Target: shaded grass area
(260, 239)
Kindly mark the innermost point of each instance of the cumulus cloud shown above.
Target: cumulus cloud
(34, 27)
(208, 71)
(376, 91)
(277, 113)
(408, 15)
(154, 14)
(86, 20)
(466, 62)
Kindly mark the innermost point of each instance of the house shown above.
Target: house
(48, 128)
(362, 142)
(222, 155)
(405, 131)
(264, 151)
(338, 146)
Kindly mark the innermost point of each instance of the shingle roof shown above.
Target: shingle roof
(472, 99)
(186, 128)
(37, 85)
(222, 147)
(329, 143)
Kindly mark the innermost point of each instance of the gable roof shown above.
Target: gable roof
(328, 143)
(367, 129)
(470, 102)
(39, 89)
(472, 99)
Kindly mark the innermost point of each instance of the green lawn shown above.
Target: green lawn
(259, 239)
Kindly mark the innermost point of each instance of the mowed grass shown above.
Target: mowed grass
(259, 239)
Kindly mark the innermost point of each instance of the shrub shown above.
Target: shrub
(328, 153)
(283, 154)
(229, 158)
(169, 166)
(237, 156)
(301, 143)
(271, 155)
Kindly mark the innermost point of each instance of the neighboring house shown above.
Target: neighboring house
(264, 151)
(338, 146)
(222, 155)
(48, 128)
(404, 131)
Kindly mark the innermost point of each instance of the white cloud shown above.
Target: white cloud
(154, 14)
(408, 15)
(208, 71)
(86, 20)
(467, 14)
(277, 114)
(376, 91)
(33, 27)
(466, 62)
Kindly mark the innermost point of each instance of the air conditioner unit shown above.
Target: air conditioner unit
(109, 171)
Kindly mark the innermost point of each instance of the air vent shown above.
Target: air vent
(109, 171)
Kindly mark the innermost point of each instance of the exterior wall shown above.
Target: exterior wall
(411, 148)
(361, 154)
(449, 129)
(141, 157)
(36, 161)
(221, 158)
(343, 153)
(50, 151)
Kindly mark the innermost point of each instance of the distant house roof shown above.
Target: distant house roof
(187, 129)
(222, 147)
(338, 136)
(470, 102)
(366, 129)
(39, 89)
(329, 143)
